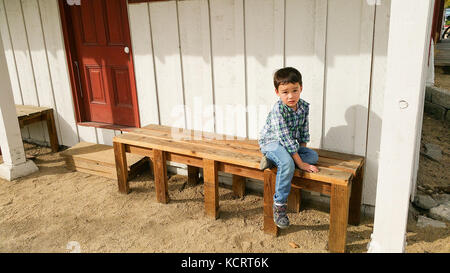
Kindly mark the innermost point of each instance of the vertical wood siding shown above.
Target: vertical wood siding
(208, 65)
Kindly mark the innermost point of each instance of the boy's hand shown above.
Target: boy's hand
(308, 168)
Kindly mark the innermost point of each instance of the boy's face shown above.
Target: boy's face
(289, 94)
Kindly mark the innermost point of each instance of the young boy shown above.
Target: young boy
(283, 139)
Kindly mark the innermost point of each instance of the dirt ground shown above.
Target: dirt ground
(56, 209)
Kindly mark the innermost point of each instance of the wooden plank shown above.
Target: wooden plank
(211, 188)
(358, 160)
(311, 185)
(241, 171)
(91, 152)
(294, 200)
(184, 159)
(166, 50)
(269, 190)
(58, 67)
(24, 63)
(228, 48)
(40, 64)
(195, 48)
(339, 201)
(160, 173)
(353, 166)
(238, 185)
(326, 175)
(140, 151)
(100, 166)
(380, 45)
(121, 167)
(27, 120)
(9, 54)
(21, 51)
(336, 167)
(305, 50)
(24, 111)
(199, 143)
(180, 133)
(143, 57)
(54, 144)
(179, 148)
(264, 34)
(346, 112)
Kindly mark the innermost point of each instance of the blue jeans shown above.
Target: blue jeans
(286, 167)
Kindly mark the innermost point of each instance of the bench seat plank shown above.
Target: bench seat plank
(191, 149)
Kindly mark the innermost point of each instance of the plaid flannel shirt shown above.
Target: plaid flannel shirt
(286, 126)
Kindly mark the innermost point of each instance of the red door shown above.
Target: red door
(104, 61)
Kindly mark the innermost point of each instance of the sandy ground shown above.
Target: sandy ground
(51, 209)
(47, 210)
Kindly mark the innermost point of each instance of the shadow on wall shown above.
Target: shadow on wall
(350, 138)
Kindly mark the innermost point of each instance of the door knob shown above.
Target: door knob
(126, 49)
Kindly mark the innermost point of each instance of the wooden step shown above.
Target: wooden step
(98, 159)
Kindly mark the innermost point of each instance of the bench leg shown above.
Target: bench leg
(355, 199)
(160, 173)
(193, 177)
(52, 131)
(339, 202)
(269, 191)
(121, 167)
(238, 185)
(294, 200)
(211, 188)
(150, 164)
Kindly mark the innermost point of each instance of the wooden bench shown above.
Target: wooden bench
(340, 174)
(28, 114)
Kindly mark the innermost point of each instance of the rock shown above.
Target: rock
(412, 214)
(440, 96)
(446, 189)
(441, 212)
(434, 110)
(293, 245)
(433, 152)
(441, 198)
(423, 221)
(424, 201)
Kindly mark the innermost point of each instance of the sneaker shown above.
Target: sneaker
(265, 163)
(279, 216)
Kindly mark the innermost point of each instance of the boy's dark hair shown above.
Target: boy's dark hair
(287, 75)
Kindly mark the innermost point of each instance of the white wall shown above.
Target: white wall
(194, 56)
